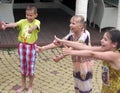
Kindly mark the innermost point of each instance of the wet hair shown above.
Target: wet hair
(105, 29)
(31, 8)
(78, 18)
(114, 35)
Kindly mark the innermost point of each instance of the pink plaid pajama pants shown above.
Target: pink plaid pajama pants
(27, 55)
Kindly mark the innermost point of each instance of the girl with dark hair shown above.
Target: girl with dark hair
(108, 52)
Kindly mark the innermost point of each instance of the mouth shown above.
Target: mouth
(71, 29)
(102, 45)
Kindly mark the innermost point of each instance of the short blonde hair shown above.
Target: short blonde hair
(78, 18)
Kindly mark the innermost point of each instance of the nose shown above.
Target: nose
(70, 25)
(101, 40)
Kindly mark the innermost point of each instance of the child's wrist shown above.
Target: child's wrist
(43, 48)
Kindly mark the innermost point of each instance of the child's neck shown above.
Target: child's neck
(78, 34)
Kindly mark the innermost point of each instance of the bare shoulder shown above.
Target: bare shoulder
(110, 56)
(114, 55)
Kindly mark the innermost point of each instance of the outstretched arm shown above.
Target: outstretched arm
(11, 25)
(45, 47)
(108, 55)
(77, 45)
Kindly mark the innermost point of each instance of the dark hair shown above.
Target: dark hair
(105, 29)
(32, 7)
(114, 35)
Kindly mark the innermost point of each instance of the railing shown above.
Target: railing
(6, 11)
(6, 1)
(112, 2)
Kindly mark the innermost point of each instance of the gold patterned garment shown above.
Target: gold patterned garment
(111, 80)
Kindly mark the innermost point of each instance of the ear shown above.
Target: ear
(115, 45)
(81, 26)
(36, 14)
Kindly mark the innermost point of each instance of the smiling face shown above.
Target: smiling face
(30, 15)
(107, 43)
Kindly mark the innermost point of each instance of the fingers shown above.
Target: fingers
(38, 48)
(66, 50)
(2, 25)
(57, 41)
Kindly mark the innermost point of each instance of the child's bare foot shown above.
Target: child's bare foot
(30, 90)
(20, 89)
